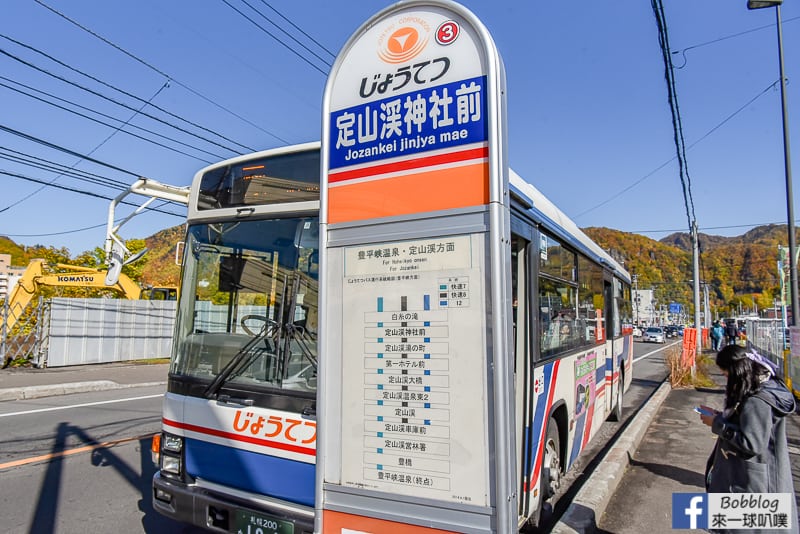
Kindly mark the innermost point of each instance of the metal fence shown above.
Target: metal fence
(85, 331)
(771, 339)
(75, 331)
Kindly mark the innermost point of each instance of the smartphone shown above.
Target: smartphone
(703, 411)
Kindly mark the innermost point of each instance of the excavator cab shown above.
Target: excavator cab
(160, 293)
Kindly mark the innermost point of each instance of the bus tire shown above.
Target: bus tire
(551, 467)
(616, 413)
(551, 461)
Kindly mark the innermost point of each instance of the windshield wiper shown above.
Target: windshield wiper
(238, 363)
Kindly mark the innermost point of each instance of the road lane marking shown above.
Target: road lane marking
(70, 452)
(83, 405)
(643, 356)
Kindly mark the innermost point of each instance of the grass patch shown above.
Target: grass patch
(150, 361)
(680, 371)
(23, 361)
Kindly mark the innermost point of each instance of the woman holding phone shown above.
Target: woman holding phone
(751, 454)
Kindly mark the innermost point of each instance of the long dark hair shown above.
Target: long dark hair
(744, 375)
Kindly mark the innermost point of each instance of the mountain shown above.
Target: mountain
(771, 235)
(740, 271)
(161, 261)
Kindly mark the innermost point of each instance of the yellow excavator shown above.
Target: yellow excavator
(35, 277)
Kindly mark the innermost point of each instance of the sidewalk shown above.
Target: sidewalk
(671, 458)
(662, 451)
(26, 383)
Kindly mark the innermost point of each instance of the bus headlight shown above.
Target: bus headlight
(172, 443)
(171, 464)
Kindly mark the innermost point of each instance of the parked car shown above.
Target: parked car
(654, 334)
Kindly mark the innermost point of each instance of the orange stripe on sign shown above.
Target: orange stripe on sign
(337, 522)
(441, 189)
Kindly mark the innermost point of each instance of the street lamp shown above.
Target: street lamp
(758, 4)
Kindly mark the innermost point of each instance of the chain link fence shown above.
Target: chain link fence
(774, 341)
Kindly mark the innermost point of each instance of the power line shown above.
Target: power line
(30, 159)
(126, 93)
(143, 138)
(54, 146)
(706, 228)
(296, 27)
(677, 124)
(263, 29)
(92, 151)
(155, 69)
(58, 233)
(80, 191)
(121, 104)
(692, 145)
(739, 34)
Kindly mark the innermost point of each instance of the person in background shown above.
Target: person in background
(732, 332)
(717, 333)
(751, 454)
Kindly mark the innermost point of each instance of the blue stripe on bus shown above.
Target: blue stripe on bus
(262, 474)
(534, 432)
(600, 373)
(626, 347)
(577, 440)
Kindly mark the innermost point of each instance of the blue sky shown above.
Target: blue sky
(589, 122)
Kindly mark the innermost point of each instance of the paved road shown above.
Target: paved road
(57, 478)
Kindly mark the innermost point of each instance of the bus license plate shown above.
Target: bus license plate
(255, 523)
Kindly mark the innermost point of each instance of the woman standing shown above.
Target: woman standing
(751, 454)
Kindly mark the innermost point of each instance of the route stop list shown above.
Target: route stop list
(413, 396)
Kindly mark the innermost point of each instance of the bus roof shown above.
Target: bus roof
(543, 210)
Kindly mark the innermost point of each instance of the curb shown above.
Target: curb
(36, 392)
(592, 499)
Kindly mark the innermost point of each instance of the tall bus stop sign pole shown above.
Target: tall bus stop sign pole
(415, 420)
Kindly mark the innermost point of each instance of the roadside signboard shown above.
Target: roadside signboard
(410, 437)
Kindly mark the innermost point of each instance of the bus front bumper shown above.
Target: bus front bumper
(219, 511)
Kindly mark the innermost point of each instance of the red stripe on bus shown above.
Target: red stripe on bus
(237, 437)
(417, 163)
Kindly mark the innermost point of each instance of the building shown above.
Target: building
(645, 310)
(8, 275)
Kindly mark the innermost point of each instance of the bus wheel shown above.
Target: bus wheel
(616, 413)
(551, 462)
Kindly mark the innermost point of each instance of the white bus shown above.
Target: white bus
(237, 451)
(238, 445)
(573, 342)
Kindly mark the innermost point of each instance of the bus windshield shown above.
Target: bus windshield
(247, 314)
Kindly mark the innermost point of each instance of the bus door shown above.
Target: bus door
(612, 331)
(523, 332)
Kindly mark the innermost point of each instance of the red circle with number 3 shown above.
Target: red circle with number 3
(447, 32)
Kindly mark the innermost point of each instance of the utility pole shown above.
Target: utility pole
(696, 287)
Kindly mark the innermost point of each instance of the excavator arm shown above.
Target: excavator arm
(34, 278)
